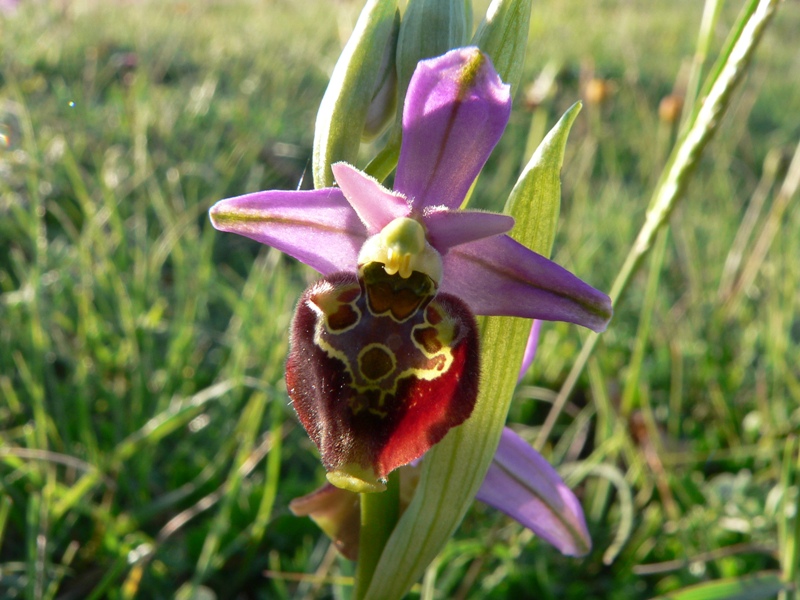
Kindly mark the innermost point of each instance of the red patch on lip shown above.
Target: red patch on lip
(382, 407)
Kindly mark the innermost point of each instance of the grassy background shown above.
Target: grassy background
(145, 439)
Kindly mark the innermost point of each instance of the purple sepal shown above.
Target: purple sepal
(499, 276)
(524, 486)
(530, 348)
(317, 227)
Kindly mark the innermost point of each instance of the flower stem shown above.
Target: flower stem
(379, 514)
(680, 167)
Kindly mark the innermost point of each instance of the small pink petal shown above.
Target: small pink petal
(375, 205)
(448, 228)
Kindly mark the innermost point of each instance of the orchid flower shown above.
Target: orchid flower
(384, 348)
(519, 483)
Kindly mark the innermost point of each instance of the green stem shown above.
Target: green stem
(677, 174)
(628, 402)
(379, 514)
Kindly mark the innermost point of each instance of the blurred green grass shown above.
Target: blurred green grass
(146, 438)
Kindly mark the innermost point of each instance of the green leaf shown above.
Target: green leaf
(535, 200)
(429, 28)
(717, 94)
(700, 128)
(454, 469)
(762, 586)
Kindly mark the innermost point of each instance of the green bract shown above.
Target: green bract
(503, 35)
(356, 78)
(429, 28)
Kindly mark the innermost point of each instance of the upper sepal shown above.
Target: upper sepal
(378, 374)
(455, 112)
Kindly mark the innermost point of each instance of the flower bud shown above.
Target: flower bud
(356, 78)
(503, 35)
(383, 105)
(429, 28)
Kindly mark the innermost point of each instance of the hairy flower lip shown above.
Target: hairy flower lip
(377, 385)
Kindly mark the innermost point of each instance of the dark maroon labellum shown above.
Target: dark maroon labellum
(379, 371)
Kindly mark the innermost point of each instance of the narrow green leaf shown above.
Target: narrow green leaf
(535, 201)
(762, 586)
(454, 469)
(680, 168)
(717, 93)
(789, 525)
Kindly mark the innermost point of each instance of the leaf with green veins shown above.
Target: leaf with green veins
(503, 35)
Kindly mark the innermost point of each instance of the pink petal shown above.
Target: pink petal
(375, 205)
(448, 228)
(455, 111)
(523, 485)
(499, 276)
(317, 227)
